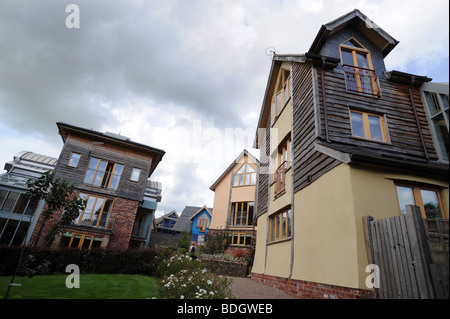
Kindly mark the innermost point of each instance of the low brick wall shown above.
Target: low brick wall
(232, 268)
(311, 290)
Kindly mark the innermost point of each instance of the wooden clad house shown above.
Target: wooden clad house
(234, 203)
(340, 138)
(111, 172)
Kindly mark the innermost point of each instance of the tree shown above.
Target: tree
(58, 196)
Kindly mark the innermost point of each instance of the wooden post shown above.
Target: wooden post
(420, 250)
(366, 220)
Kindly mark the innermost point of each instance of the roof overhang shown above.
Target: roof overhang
(363, 24)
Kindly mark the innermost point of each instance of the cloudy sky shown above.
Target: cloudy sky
(186, 76)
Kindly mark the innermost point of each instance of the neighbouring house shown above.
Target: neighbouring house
(111, 172)
(18, 216)
(234, 203)
(185, 223)
(165, 223)
(340, 137)
(200, 226)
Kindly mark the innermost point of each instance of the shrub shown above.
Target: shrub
(184, 278)
(217, 242)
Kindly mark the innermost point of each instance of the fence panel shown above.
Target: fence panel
(412, 256)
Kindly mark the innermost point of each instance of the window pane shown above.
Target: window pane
(238, 213)
(248, 239)
(289, 222)
(236, 180)
(277, 226)
(347, 57)
(441, 131)
(116, 176)
(99, 174)
(86, 242)
(75, 241)
(105, 213)
(3, 194)
(232, 214)
(235, 238)
(405, 197)
(97, 211)
(135, 174)
(65, 240)
(278, 101)
(375, 128)
(242, 169)
(96, 242)
(251, 206)
(107, 175)
(272, 228)
(87, 211)
(74, 159)
(357, 124)
(21, 204)
(444, 99)
(283, 225)
(91, 171)
(241, 239)
(362, 60)
(241, 179)
(10, 201)
(431, 204)
(432, 103)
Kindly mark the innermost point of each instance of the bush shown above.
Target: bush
(184, 278)
(98, 261)
(217, 242)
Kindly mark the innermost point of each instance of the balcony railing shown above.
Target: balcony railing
(361, 80)
(280, 179)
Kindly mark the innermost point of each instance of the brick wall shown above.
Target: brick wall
(311, 290)
(122, 217)
(121, 223)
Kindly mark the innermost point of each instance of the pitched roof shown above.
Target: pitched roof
(200, 210)
(237, 160)
(184, 222)
(360, 21)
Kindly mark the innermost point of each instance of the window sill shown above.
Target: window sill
(362, 139)
(279, 241)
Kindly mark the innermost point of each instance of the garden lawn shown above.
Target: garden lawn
(92, 286)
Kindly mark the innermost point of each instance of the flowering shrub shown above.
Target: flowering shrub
(184, 278)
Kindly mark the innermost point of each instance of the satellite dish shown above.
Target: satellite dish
(270, 52)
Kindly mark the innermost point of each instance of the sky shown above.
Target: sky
(185, 76)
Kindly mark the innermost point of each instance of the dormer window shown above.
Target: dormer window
(359, 73)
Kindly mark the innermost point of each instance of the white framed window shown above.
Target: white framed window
(135, 173)
(436, 105)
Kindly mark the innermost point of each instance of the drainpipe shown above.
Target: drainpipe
(417, 117)
(324, 100)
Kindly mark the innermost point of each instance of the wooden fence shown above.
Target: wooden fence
(411, 255)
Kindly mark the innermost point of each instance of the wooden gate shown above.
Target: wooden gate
(411, 255)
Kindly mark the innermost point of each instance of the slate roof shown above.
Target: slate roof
(184, 222)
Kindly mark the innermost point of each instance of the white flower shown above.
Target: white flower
(209, 282)
(181, 297)
(211, 293)
(204, 270)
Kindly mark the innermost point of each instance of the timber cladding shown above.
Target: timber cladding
(309, 164)
(89, 149)
(394, 105)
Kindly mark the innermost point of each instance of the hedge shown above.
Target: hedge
(98, 261)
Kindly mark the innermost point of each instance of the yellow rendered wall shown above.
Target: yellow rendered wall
(260, 252)
(220, 208)
(329, 242)
(325, 249)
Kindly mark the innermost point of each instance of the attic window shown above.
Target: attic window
(246, 175)
(360, 76)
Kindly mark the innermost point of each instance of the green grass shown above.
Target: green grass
(91, 287)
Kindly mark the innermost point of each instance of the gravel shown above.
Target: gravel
(245, 288)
